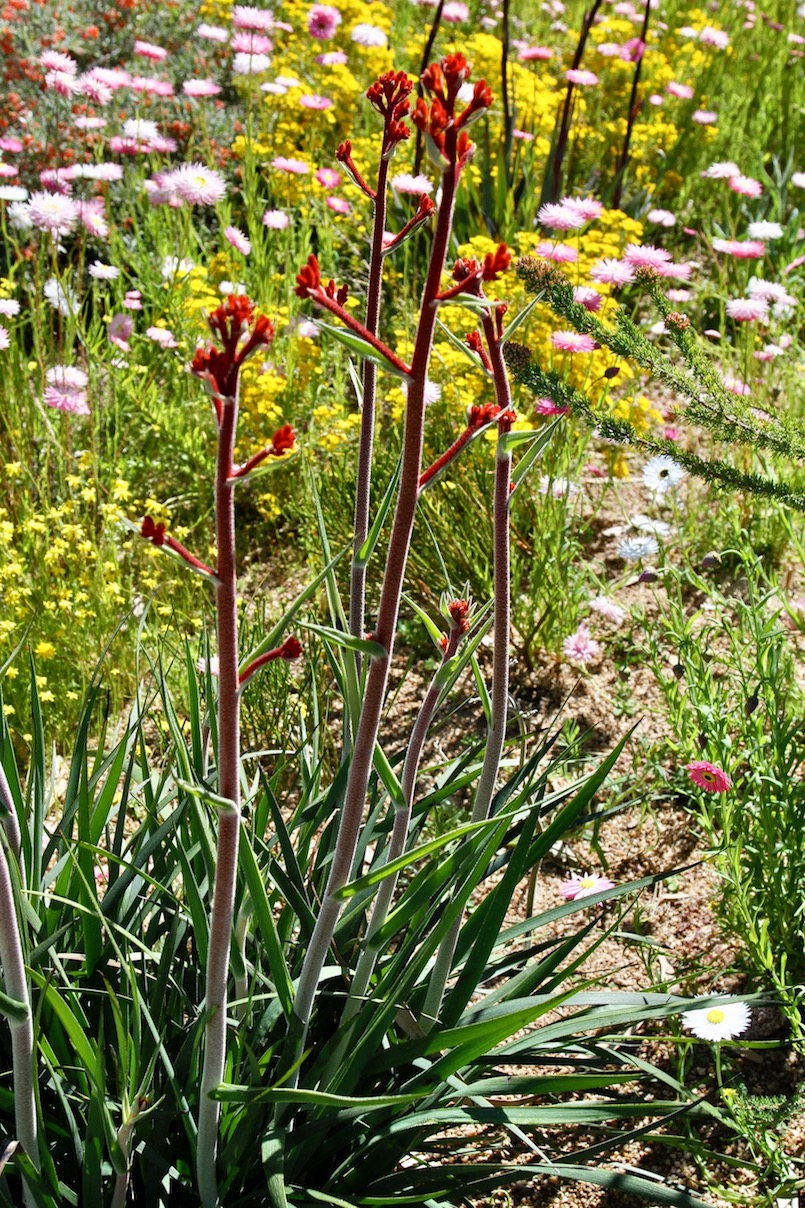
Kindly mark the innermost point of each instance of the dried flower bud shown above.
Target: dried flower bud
(677, 321)
(752, 703)
(538, 275)
(611, 372)
(678, 670)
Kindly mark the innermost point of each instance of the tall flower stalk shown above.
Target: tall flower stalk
(240, 335)
(449, 145)
(471, 276)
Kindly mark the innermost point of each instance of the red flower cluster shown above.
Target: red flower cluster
(218, 368)
(308, 283)
(283, 440)
(389, 96)
(459, 611)
(439, 121)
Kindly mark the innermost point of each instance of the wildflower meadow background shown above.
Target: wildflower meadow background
(402, 603)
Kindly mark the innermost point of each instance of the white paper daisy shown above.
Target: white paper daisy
(718, 1023)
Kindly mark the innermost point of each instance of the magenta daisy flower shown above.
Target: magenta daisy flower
(200, 88)
(238, 240)
(330, 178)
(708, 776)
(120, 328)
(66, 390)
(741, 249)
(276, 220)
(584, 886)
(683, 91)
(147, 50)
(322, 21)
(314, 101)
(559, 253)
(246, 17)
(538, 54)
(560, 217)
(546, 406)
(339, 205)
(297, 167)
(589, 298)
(5, 339)
(574, 341)
(646, 256)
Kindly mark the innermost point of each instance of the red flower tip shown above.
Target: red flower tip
(481, 100)
(426, 206)
(389, 94)
(152, 531)
(473, 340)
(344, 152)
(283, 440)
(459, 611)
(481, 415)
(233, 316)
(496, 262)
(291, 648)
(308, 279)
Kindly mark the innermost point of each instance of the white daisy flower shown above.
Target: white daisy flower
(662, 474)
(718, 1023)
(635, 549)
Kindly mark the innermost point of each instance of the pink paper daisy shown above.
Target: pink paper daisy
(580, 647)
(585, 79)
(741, 249)
(646, 256)
(276, 220)
(339, 205)
(546, 406)
(560, 217)
(573, 341)
(322, 21)
(559, 253)
(538, 54)
(200, 88)
(198, 185)
(314, 101)
(585, 886)
(748, 310)
(239, 241)
(53, 213)
(683, 91)
(246, 17)
(612, 272)
(297, 167)
(746, 186)
(162, 336)
(708, 776)
(589, 298)
(120, 328)
(329, 178)
(147, 50)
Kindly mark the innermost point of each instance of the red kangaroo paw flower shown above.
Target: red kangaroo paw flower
(152, 531)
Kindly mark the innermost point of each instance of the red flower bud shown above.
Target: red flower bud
(291, 648)
(496, 262)
(152, 531)
(283, 440)
(308, 279)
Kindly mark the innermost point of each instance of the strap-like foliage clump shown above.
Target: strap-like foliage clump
(707, 403)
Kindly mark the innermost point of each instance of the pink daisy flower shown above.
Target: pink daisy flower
(560, 217)
(330, 178)
(332, 58)
(147, 50)
(538, 54)
(736, 386)
(746, 186)
(322, 21)
(314, 101)
(200, 88)
(66, 390)
(576, 75)
(213, 33)
(296, 166)
(714, 37)
(704, 117)
(198, 185)
(5, 339)
(747, 310)
(454, 12)
(646, 256)
(585, 886)
(368, 35)
(239, 241)
(589, 298)
(162, 336)
(609, 609)
(573, 341)
(683, 91)
(120, 328)
(53, 213)
(708, 776)
(249, 43)
(662, 217)
(587, 207)
(246, 17)
(559, 253)
(133, 300)
(93, 217)
(612, 272)
(580, 647)
(546, 406)
(741, 249)
(339, 205)
(13, 145)
(245, 64)
(721, 171)
(276, 220)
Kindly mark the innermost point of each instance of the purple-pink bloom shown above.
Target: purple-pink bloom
(238, 239)
(296, 166)
(276, 220)
(332, 58)
(585, 886)
(198, 185)
(574, 341)
(455, 11)
(589, 298)
(576, 75)
(248, 43)
(314, 101)
(560, 217)
(559, 253)
(646, 256)
(708, 776)
(200, 88)
(736, 386)
(539, 54)
(133, 300)
(66, 389)
(93, 217)
(580, 647)
(612, 272)
(704, 117)
(746, 186)
(683, 91)
(322, 21)
(147, 50)
(162, 336)
(339, 205)
(741, 249)
(546, 406)
(120, 328)
(330, 178)
(246, 17)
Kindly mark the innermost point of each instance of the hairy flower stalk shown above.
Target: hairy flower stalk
(22, 1035)
(450, 147)
(389, 96)
(458, 611)
(220, 370)
(473, 274)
